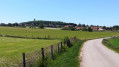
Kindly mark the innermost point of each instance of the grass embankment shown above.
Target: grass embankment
(68, 58)
(112, 43)
(14, 31)
(16, 46)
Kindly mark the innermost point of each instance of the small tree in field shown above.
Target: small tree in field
(41, 26)
(71, 28)
(89, 29)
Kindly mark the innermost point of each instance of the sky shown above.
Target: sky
(91, 12)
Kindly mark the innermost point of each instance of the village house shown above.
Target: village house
(67, 26)
(79, 28)
(94, 28)
(101, 28)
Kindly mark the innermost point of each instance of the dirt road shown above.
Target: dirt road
(94, 54)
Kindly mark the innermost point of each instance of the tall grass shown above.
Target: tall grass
(112, 43)
(68, 58)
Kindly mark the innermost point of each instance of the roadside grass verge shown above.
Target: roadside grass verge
(68, 58)
(112, 43)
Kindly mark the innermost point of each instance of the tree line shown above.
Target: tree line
(35, 23)
(53, 24)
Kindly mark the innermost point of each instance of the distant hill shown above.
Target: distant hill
(47, 23)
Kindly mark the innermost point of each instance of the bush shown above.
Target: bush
(71, 28)
(84, 29)
(41, 26)
(67, 41)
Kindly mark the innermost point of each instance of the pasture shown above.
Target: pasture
(53, 33)
(16, 46)
(13, 46)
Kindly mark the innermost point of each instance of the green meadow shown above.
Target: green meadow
(53, 33)
(13, 46)
(16, 46)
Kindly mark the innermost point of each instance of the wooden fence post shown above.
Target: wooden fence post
(51, 51)
(43, 56)
(42, 52)
(64, 43)
(58, 47)
(24, 62)
(61, 46)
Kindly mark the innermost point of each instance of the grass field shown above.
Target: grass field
(112, 43)
(16, 46)
(53, 33)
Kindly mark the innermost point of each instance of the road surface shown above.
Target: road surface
(95, 54)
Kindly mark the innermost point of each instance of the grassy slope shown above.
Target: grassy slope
(15, 46)
(112, 43)
(68, 58)
(53, 33)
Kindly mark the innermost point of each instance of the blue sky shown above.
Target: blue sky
(96, 12)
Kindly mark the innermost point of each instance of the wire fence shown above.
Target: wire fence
(36, 58)
(29, 37)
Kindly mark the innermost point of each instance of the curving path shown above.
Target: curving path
(95, 54)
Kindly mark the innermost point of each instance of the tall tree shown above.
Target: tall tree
(34, 19)
(41, 26)
(79, 25)
(89, 29)
(116, 27)
(9, 24)
(104, 27)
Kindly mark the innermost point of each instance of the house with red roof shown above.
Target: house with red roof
(94, 28)
(67, 26)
